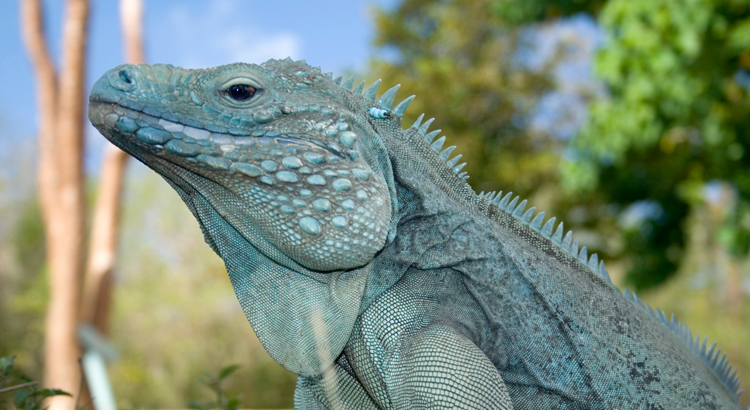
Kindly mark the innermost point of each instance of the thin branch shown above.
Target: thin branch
(46, 78)
(81, 381)
(18, 386)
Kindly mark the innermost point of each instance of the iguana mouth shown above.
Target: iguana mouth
(212, 147)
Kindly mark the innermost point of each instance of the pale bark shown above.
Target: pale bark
(32, 26)
(131, 19)
(103, 241)
(61, 184)
(104, 233)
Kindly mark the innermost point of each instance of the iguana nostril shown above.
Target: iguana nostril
(125, 77)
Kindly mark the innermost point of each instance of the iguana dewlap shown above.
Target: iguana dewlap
(367, 265)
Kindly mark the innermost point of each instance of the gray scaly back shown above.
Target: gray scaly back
(710, 356)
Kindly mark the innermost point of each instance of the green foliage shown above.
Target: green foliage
(461, 63)
(26, 394)
(530, 11)
(23, 287)
(213, 382)
(676, 117)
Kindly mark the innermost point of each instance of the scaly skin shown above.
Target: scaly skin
(368, 267)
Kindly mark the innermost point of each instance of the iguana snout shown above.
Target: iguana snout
(288, 156)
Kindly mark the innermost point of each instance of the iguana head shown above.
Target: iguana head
(287, 176)
(291, 160)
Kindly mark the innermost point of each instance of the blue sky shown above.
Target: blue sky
(333, 34)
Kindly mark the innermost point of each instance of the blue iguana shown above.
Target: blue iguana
(367, 265)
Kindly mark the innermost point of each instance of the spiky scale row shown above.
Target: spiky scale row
(557, 237)
(370, 93)
(431, 136)
(512, 205)
(546, 230)
(711, 357)
(359, 88)
(385, 102)
(348, 84)
(438, 144)
(594, 262)
(424, 127)
(447, 153)
(517, 211)
(417, 122)
(403, 105)
(536, 223)
(567, 240)
(452, 162)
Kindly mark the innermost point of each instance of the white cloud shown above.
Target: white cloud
(221, 32)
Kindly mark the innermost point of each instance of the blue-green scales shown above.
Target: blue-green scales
(367, 265)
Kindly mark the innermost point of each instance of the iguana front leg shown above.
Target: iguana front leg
(437, 368)
(440, 368)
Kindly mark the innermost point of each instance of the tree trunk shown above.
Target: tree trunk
(131, 19)
(61, 185)
(104, 233)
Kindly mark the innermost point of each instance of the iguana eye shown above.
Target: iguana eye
(240, 92)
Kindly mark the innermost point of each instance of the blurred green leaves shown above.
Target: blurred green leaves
(26, 393)
(675, 117)
(214, 382)
(460, 61)
(532, 11)
(23, 286)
